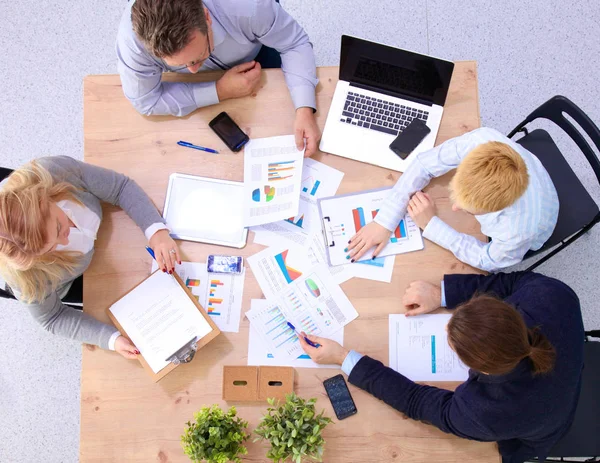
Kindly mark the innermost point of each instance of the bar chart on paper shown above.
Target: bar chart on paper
(352, 212)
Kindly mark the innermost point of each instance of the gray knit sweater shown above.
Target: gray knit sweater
(94, 184)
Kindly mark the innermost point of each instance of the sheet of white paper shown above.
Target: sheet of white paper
(349, 213)
(312, 302)
(272, 177)
(278, 266)
(419, 349)
(264, 233)
(318, 181)
(258, 353)
(219, 294)
(313, 248)
(380, 269)
(160, 318)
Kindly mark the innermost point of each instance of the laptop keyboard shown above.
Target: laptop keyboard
(376, 114)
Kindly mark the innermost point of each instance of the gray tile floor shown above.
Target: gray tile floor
(527, 51)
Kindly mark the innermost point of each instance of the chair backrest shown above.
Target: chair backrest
(554, 110)
(582, 438)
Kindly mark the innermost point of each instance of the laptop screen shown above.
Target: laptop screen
(394, 71)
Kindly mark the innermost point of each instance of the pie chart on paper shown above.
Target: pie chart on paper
(312, 287)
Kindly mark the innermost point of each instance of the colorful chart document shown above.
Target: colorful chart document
(272, 179)
(318, 181)
(219, 294)
(419, 349)
(312, 302)
(343, 216)
(258, 353)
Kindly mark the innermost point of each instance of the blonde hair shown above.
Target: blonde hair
(24, 210)
(490, 178)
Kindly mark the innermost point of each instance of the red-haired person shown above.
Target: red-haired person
(503, 185)
(521, 334)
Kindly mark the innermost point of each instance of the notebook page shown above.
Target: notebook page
(160, 318)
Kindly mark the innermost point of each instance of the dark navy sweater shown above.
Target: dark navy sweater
(525, 414)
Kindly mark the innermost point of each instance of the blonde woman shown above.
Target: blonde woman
(50, 213)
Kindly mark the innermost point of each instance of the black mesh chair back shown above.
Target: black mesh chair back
(578, 212)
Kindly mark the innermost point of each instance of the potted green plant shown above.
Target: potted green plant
(215, 436)
(293, 429)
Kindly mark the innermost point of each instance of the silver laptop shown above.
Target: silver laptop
(380, 91)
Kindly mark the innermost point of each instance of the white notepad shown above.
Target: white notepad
(160, 318)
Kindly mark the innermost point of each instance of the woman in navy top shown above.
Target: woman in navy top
(521, 334)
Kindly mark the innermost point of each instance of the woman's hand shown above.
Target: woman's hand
(124, 347)
(368, 236)
(329, 353)
(421, 209)
(421, 297)
(165, 250)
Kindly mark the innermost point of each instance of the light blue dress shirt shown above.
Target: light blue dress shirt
(526, 224)
(240, 28)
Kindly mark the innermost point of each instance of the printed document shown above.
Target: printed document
(419, 349)
(160, 318)
(272, 178)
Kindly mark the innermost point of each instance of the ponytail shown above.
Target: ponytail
(541, 353)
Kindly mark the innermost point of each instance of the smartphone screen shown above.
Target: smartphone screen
(225, 264)
(339, 395)
(229, 131)
(409, 138)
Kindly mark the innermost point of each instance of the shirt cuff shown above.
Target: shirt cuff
(350, 361)
(304, 96)
(113, 339)
(443, 292)
(152, 229)
(388, 222)
(205, 94)
(440, 233)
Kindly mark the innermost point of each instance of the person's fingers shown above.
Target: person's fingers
(359, 251)
(379, 249)
(129, 355)
(177, 253)
(408, 299)
(299, 136)
(311, 144)
(411, 312)
(427, 196)
(313, 338)
(244, 66)
(172, 256)
(160, 260)
(310, 350)
(354, 241)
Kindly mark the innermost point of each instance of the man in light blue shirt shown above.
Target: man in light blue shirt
(189, 36)
(505, 175)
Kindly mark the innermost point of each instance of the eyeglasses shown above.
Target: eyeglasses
(194, 63)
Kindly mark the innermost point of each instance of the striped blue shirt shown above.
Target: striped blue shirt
(526, 224)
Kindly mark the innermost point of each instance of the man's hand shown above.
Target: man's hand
(421, 209)
(421, 297)
(368, 236)
(124, 347)
(305, 128)
(239, 81)
(330, 352)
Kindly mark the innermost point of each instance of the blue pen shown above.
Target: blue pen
(187, 144)
(308, 341)
(151, 252)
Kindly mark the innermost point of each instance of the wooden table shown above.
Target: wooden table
(127, 418)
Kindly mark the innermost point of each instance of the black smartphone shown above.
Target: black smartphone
(229, 132)
(339, 395)
(409, 138)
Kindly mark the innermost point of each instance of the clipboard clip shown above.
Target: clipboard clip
(327, 232)
(185, 354)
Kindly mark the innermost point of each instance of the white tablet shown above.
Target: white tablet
(206, 210)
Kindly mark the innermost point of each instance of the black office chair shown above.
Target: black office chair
(578, 212)
(582, 440)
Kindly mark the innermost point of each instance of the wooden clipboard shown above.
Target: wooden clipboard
(200, 343)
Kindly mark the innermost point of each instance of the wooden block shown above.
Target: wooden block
(275, 382)
(240, 383)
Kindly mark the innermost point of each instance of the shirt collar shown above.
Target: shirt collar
(521, 370)
(219, 32)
